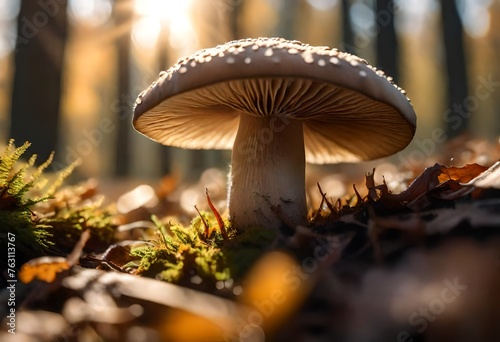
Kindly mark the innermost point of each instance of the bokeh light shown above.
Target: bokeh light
(9, 9)
(362, 16)
(145, 33)
(475, 16)
(143, 195)
(413, 15)
(322, 5)
(91, 12)
(154, 16)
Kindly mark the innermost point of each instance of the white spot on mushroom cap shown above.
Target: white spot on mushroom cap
(270, 46)
(308, 58)
(334, 60)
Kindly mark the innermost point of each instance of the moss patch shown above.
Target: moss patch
(185, 255)
(42, 221)
(180, 253)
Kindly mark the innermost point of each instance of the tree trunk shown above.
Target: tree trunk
(387, 44)
(288, 18)
(123, 19)
(39, 58)
(495, 40)
(347, 43)
(234, 18)
(457, 84)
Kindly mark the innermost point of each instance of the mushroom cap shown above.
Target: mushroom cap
(349, 109)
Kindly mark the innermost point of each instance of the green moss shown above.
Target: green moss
(16, 216)
(68, 223)
(24, 191)
(181, 252)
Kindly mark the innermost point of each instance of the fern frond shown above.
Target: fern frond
(37, 234)
(8, 159)
(34, 181)
(17, 185)
(63, 174)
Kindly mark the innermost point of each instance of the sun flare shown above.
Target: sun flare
(156, 15)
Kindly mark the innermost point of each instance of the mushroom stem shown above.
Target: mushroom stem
(267, 172)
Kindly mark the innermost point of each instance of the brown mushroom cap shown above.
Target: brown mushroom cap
(350, 111)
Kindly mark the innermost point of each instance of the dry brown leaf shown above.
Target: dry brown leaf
(437, 182)
(47, 268)
(461, 174)
(44, 268)
(490, 178)
(427, 181)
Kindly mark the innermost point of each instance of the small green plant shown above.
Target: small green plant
(16, 216)
(30, 210)
(181, 252)
(201, 250)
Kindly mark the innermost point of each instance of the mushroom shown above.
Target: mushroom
(276, 104)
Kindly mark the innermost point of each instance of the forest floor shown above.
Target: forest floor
(408, 258)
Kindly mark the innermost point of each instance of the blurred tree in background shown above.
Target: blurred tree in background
(288, 12)
(122, 18)
(42, 30)
(457, 82)
(495, 42)
(387, 48)
(234, 18)
(109, 50)
(346, 27)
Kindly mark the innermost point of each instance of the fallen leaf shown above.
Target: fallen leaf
(490, 178)
(44, 268)
(461, 174)
(115, 256)
(47, 268)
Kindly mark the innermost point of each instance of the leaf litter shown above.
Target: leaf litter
(333, 279)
